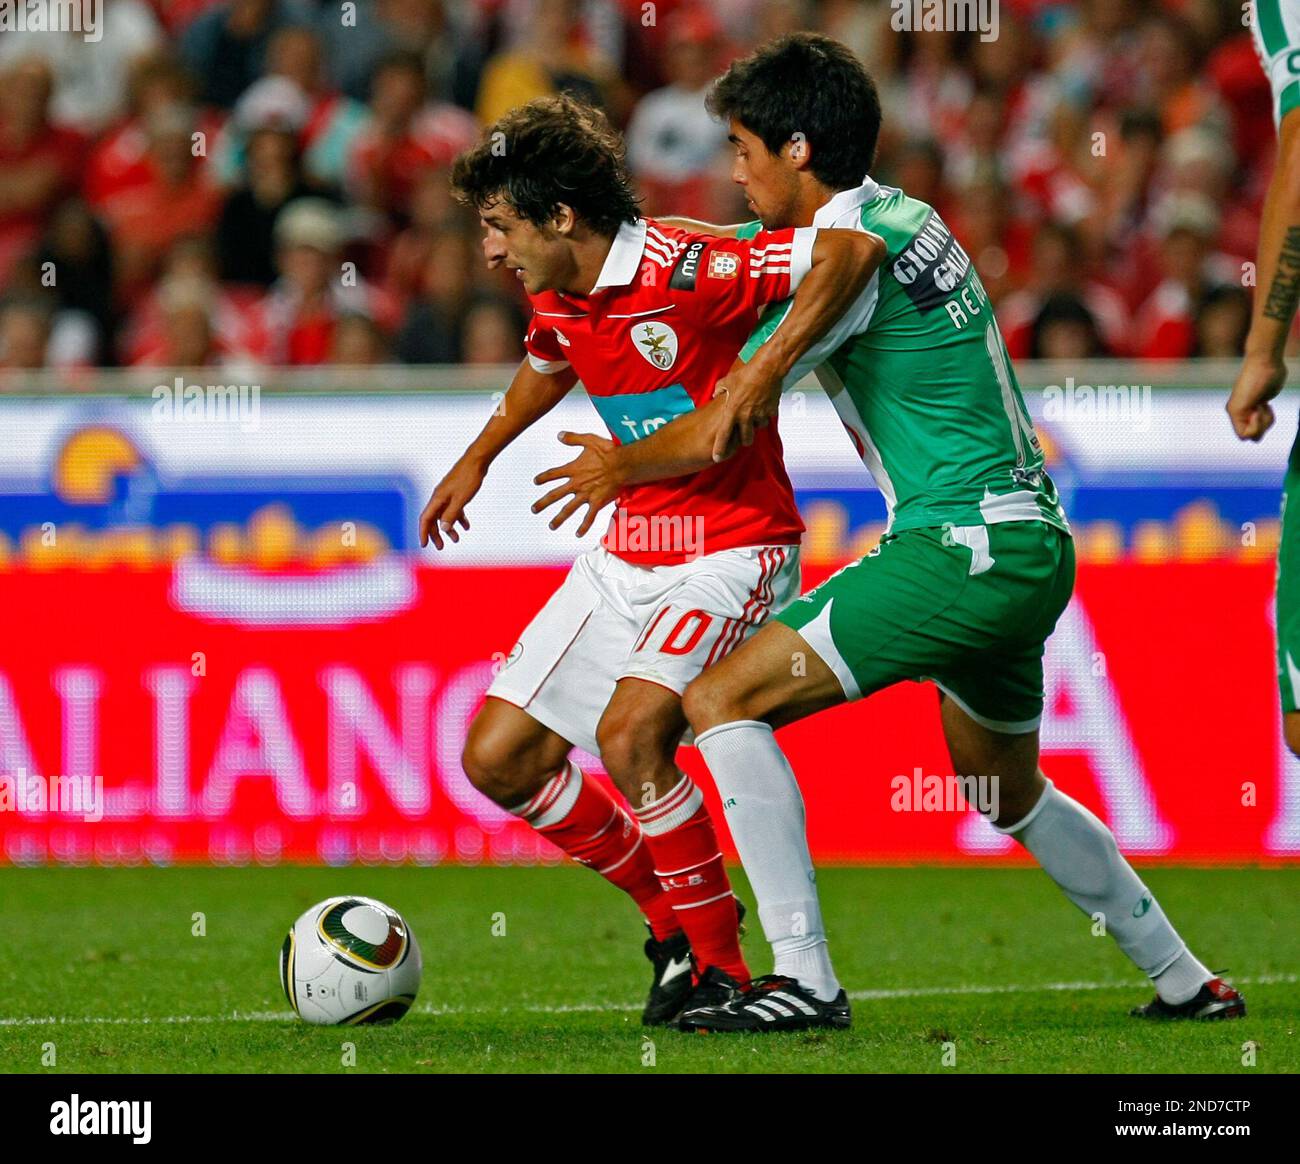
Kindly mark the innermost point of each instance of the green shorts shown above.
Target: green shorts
(969, 607)
(1288, 587)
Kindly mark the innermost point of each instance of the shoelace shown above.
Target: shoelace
(759, 988)
(769, 982)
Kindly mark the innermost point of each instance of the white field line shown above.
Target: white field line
(276, 1016)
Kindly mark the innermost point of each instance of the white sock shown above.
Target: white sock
(672, 810)
(1079, 853)
(764, 810)
(1182, 978)
(554, 800)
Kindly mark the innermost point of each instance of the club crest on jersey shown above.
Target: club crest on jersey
(723, 265)
(657, 342)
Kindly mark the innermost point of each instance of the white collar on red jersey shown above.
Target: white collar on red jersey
(845, 201)
(624, 258)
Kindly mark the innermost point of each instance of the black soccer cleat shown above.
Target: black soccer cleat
(671, 985)
(674, 973)
(1215, 1000)
(715, 988)
(772, 1003)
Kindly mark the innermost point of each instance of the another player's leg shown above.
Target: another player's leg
(524, 767)
(992, 680)
(773, 679)
(549, 696)
(1079, 853)
(638, 736)
(1288, 604)
(866, 627)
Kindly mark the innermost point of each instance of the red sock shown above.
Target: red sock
(576, 814)
(680, 837)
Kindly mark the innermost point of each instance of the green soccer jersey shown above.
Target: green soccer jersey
(1276, 32)
(921, 379)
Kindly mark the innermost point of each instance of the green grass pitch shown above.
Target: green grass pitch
(113, 976)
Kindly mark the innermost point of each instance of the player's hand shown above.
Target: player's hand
(750, 398)
(592, 479)
(446, 508)
(1260, 379)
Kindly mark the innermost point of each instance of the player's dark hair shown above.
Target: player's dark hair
(810, 84)
(550, 152)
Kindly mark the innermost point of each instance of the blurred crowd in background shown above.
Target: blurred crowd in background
(218, 182)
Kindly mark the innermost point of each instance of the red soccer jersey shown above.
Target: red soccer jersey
(661, 327)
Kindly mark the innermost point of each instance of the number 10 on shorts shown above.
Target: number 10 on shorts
(683, 635)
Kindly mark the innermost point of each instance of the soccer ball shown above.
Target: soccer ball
(350, 960)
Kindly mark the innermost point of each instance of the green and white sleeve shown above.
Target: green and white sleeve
(1276, 31)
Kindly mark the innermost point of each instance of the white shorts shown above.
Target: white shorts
(611, 620)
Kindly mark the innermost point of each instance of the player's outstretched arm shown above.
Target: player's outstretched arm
(695, 226)
(1277, 292)
(841, 265)
(531, 395)
(843, 262)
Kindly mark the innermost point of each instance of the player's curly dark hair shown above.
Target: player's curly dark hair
(548, 152)
(810, 84)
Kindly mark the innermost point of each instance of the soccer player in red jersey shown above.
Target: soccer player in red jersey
(650, 317)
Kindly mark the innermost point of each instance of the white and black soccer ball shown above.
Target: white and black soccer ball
(350, 960)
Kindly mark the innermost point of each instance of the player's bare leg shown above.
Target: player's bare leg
(1012, 759)
(508, 755)
(638, 736)
(775, 678)
(1079, 853)
(524, 767)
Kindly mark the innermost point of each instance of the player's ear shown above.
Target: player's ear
(563, 220)
(800, 151)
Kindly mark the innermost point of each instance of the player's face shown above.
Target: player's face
(535, 254)
(770, 182)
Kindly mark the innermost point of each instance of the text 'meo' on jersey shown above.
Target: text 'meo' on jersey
(663, 324)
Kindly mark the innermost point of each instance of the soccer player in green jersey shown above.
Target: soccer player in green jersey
(1276, 29)
(974, 569)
